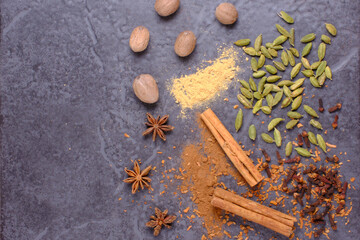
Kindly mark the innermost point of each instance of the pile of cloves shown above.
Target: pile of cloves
(324, 182)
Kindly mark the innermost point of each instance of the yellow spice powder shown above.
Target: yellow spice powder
(194, 90)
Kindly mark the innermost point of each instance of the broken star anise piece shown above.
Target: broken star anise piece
(157, 127)
(138, 177)
(159, 220)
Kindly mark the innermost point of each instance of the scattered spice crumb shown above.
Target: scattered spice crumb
(126, 135)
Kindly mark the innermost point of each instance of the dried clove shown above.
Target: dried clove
(305, 135)
(332, 222)
(267, 169)
(340, 207)
(317, 202)
(343, 191)
(298, 199)
(289, 177)
(334, 108)
(300, 140)
(280, 160)
(267, 157)
(310, 169)
(321, 107)
(335, 123)
(308, 191)
(295, 159)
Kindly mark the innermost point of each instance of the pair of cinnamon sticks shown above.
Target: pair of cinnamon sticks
(232, 149)
(253, 211)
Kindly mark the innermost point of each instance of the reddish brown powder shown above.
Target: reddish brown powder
(202, 165)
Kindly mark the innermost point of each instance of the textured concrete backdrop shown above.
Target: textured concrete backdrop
(67, 100)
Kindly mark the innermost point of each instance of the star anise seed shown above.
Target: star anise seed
(157, 127)
(160, 219)
(137, 177)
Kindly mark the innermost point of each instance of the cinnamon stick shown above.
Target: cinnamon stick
(232, 149)
(253, 211)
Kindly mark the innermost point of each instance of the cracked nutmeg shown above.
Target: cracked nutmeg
(138, 177)
(160, 219)
(157, 127)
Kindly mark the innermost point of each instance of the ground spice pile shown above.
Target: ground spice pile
(206, 83)
(202, 165)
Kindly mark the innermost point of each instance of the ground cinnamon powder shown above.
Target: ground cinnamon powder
(202, 166)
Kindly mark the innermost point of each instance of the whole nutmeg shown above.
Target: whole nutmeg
(226, 13)
(166, 7)
(185, 43)
(146, 89)
(139, 39)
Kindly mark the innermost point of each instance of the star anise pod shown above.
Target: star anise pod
(159, 220)
(157, 127)
(137, 177)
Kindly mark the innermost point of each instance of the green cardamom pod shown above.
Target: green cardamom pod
(316, 124)
(273, 78)
(308, 38)
(257, 95)
(265, 52)
(286, 17)
(254, 64)
(314, 82)
(321, 142)
(296, 103)
(277, 47)
(274, 87)
(295, 70)
(267, 138)
(252, 132)
(250, 51)
(267, 90)
(298, 83)
(277, 98)
(242, 42)
(273, 123)
(308, 73)
(331, 29)
(273, 52)
(252, 84)
(328, 72)
(306, 50)
(294, 115)
(279, 40)
(284, 58)
(288, 149)
(315, 65)
(246, 93)
(326, 39)
(312, 138)
(297, 92)
(282, 30)
(245, 84)
(321, 51)
(261, 61)
(294, 51)
(258, 42)
(243, 100)
(271, 69)
(303, 152)
(257, 106)
(286, 102)
(269, 99)
(309, 110)
(259, 74)
(279, 66)
(291, 124)
(266, 110)
(285, 83)
(287, 91)
(322, 78)
(305, 63)
(261, 84)
(292, 37)
(277, 137)
(291, 58)
(239, 120)
(320, 69)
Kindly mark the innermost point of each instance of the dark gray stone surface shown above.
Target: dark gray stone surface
(67, 100)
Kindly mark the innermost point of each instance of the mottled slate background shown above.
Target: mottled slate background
(67, 100)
